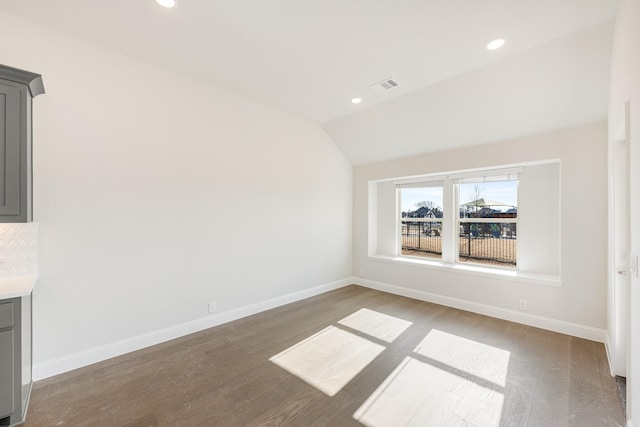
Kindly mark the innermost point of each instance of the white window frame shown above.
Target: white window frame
(424, 220)
(460, 221)
(451, 221)
(421, 183)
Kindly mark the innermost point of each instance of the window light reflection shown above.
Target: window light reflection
(418, 393)
(378, 325)
(471, 357)
(329, 359)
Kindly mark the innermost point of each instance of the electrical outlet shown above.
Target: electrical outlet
(213, 307)
(361, 273)
(523, 304)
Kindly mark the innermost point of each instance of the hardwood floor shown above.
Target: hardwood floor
(353, 356)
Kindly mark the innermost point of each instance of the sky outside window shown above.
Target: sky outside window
(411, 196)
(505, 192)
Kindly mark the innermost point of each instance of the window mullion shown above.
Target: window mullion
(448, 221)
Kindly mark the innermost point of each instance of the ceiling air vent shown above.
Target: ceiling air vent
(385, 85)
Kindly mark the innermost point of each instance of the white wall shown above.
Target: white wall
(625, 87)
(387, 221)
(156, 194)
(580, 300)
(538, 223)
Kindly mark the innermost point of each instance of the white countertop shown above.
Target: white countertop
(13, 287)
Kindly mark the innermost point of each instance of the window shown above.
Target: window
(468, 218)
(488, 222)
(505, 217)
(421, 219)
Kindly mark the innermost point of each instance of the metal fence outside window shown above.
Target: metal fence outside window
(490, 243)
(422, 237)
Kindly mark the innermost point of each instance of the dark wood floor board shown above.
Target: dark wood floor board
(518, 399)
(530, 345)
(550, 406)
(434, 366)
(605, 371)
(584, 360)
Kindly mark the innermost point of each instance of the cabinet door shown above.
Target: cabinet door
(7, 369)
(10, 146)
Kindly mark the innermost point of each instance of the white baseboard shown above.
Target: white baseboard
(608, 349)
(561, 326)
(70, 362)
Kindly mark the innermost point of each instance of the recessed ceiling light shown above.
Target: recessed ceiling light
(356, 100)
(166, 3)
(495, 44)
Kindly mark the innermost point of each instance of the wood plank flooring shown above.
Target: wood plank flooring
(350, 357)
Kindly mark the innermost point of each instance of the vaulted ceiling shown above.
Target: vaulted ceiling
(311, 57)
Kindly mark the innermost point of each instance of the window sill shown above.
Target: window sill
(474, 270)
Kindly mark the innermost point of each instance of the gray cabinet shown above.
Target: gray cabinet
(15, 359)
(17, 88)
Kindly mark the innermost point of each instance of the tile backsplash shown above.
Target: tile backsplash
(18, 249)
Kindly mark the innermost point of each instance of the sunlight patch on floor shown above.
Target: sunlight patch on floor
(446, 381)
(419, 394)
(329, 359)
(471, 357)
(379, 325)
